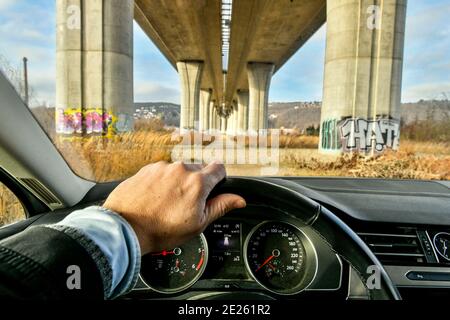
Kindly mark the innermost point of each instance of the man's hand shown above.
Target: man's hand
(166, 203)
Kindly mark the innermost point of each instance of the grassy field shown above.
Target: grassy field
(111, 159)
(11, 209)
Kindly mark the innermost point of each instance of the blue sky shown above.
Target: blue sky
(27, 29)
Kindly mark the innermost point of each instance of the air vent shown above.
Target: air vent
(39, 190)
(395, 249)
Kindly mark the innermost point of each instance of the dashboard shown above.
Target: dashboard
(262, 252)
(247, 251)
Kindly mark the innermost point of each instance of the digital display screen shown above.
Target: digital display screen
(225, 256)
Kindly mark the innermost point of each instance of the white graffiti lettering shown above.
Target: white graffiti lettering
(363, 135)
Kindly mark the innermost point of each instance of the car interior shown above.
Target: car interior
(347, 238)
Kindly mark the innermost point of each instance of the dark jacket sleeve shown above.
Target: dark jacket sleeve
(41, 263)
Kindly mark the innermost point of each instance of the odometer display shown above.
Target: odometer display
(276, 257)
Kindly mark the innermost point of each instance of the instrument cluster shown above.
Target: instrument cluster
(278, 256)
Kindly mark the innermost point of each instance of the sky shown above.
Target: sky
(27, 28)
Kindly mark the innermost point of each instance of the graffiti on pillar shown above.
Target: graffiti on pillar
(330, 135)
(92, 121)
(124, 123)
(360, 135)
(366, 135)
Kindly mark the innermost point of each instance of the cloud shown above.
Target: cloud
(27, 30)
(151, 91)
(426, 67)
(5, 4)
(426, 91)
(301, 78)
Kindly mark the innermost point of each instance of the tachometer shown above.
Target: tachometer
(172, 271)
(277, 258)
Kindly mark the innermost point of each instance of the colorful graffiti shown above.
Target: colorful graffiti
(91, 121)
(360, 135)
(330, 135)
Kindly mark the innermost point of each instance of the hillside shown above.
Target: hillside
(300, 115)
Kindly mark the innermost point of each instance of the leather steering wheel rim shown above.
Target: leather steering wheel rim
(287, 196)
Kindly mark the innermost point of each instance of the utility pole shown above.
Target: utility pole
(25, 79)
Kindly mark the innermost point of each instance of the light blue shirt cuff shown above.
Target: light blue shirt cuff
(115, 238)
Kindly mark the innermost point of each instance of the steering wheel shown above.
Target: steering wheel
(287, 196)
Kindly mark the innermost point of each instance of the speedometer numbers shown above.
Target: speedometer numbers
(172, 271)
(280, 257)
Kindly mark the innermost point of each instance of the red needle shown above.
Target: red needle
(163, 253)
(200, 263)
(265, 262)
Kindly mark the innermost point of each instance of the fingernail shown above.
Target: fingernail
(240, 204)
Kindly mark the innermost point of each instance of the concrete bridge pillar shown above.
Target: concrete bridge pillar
(211, 115)
(231, 122)
(234, 117)
(242, 121)
(218, 120)
(190, 75)
(205, 103)
(223, 124)
(363, 76)
(94, 73)
(259, 77)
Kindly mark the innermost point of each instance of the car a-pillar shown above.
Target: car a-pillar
(94, 74)
(259, 78)
(190, 73)
(363, 76)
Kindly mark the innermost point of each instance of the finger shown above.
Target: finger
(218, 206)
(214, 173)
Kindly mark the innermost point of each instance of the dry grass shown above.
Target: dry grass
(102, 159)
(11, 209)
(299, 142)
(402, 164)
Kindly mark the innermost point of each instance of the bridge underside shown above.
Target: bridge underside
(226, 52)
(261, 31)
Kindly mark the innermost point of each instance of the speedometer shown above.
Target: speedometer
(280, 257)
(175, 270)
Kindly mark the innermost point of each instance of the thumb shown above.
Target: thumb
(221, 204)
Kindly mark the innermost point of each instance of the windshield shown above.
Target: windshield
(292, 89)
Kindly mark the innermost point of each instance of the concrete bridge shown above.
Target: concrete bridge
(226, 52)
